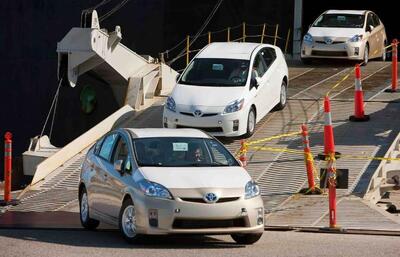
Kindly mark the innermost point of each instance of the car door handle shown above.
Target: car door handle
(105, 176)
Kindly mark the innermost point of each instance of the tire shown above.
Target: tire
(306, 61)
(282, 97)
(366, 55)
(84, 214)
(126, 229)
(246, 239)
(251, 123)
(384, 54)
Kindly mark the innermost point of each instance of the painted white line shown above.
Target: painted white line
(319, 83)
(301, 74)
(370, 75)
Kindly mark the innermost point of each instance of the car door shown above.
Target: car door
(119, 180)
(102, 167)
(260, 92)
(372, 35)
(273, 77)
(380, 35)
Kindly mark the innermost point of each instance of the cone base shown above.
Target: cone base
(358, 119)
(322, 156)
(391, 90)
(309, 191)
(12, 202)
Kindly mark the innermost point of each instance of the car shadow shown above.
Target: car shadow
(111, 238)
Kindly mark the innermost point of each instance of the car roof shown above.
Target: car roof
(228, 50)
(166, 132)
(358, 12)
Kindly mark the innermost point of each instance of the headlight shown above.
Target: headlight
(356, 38)
(308, 38)
(153, 189)
(251, 190)
(234, 106)
(171, 104)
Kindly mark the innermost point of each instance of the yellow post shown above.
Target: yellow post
(229, 34)
(262, 34)
(209, 37)
(287, 40)
(244, 31)
(187, 50)
(276, 33)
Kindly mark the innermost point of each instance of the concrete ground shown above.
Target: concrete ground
(109, 243)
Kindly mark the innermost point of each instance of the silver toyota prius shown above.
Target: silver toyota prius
(168, 181)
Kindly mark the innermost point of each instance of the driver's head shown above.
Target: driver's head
(243, 66)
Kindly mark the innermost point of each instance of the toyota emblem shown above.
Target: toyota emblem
(210, 198)
(197, 113)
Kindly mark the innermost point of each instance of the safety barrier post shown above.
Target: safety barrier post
(358, 98)
(229, 34)
(263, 33)
(329, 150)
(308, 161)
(243, 152)
(187, 50)
(394, 65)
(287, 41)
(276, 33)
(244, 31)
(7, 170)
(209, 37)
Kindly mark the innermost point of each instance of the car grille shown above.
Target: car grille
(204, 114)
(214, 129)
(199, 224)
(201, 200)
(333, 43)
(329, 53)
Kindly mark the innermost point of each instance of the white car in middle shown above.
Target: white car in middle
(227, 88)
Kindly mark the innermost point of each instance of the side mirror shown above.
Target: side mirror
(118, 165)
(369, 28)
(177, 77)
(254, 83)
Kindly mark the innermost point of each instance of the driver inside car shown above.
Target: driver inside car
(239, 74)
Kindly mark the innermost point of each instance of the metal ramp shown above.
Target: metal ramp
(134, 80)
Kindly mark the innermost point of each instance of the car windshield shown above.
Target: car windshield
(216, 72)
(340, 21)
(181, 152)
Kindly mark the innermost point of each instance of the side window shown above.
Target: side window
(97, 146)
(269, 56)
(107, 146)
(370, 20)
(259, 66)
(376, 20)
(122, 153)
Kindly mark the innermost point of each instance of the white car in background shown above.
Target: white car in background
(227, 88)
(345, 34)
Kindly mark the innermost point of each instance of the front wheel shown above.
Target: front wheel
(246, 239)
(383, 57)
(86, 221)
(366, 55)
(251, 123)
(282, 97)
(127, 221)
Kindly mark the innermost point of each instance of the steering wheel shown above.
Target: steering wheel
(236, 79)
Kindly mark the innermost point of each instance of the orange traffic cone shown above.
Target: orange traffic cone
(359, 114)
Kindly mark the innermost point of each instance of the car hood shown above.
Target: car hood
(197, 177)
(206, 96)
(335, 32)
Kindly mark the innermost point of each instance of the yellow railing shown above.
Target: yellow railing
(185, 47)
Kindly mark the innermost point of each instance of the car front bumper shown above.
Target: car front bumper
(217, 125)
(345, 50)
(161, 216)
